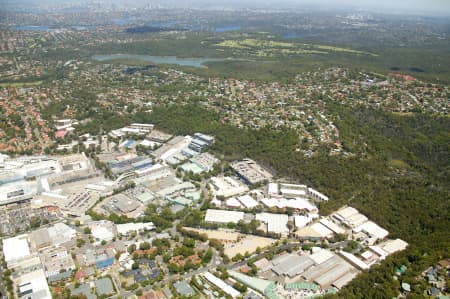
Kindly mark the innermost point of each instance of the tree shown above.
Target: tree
(131, 248)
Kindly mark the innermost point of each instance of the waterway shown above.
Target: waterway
(192, 62)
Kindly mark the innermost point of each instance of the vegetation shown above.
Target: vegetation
(410, 202)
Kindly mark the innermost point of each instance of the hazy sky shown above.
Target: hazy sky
(428, 7)
(390, 6)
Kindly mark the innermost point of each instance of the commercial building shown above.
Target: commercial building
(121, 204)
(200, 141)
(15, 249)
(33, 285)
(56, 261)
(54, 235)
(102, 230)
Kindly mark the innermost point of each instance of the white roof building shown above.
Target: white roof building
(322, 230)
(356, 220)
(102, 233)
(16, 248)
(223, 216)
(314, 194)
(272, 189)
(321, 256)
(102, 230)
(301, 221)
(233, 203)
(276, 223)
(222, 285)
(352, 259)
(33, 285)
(372, 229)
(126, 228)
(393, 246)
(61, 233)
(331, 225)
(248, 201)
(227, 186)
(296, 204)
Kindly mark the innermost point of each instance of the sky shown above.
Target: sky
(388, 6)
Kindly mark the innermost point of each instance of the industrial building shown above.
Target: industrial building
(227, 186)
(262, 286)
(373, 230)
(135, 163)
(227, 289)
(298, 204)
(327, 272)
(301, 221)
(223, 216)
(316, 195)
(316, 231)
(276, 223)
(200, 141)
(126, 228)
(158, 136)
(250, 171)
(336, 229)
(291, 265)
(293, 190)
(247, 201)
(172, 147)
(203, 162)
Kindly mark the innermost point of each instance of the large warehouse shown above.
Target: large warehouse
(223, 216)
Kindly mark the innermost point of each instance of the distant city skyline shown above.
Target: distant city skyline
(424, 7)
